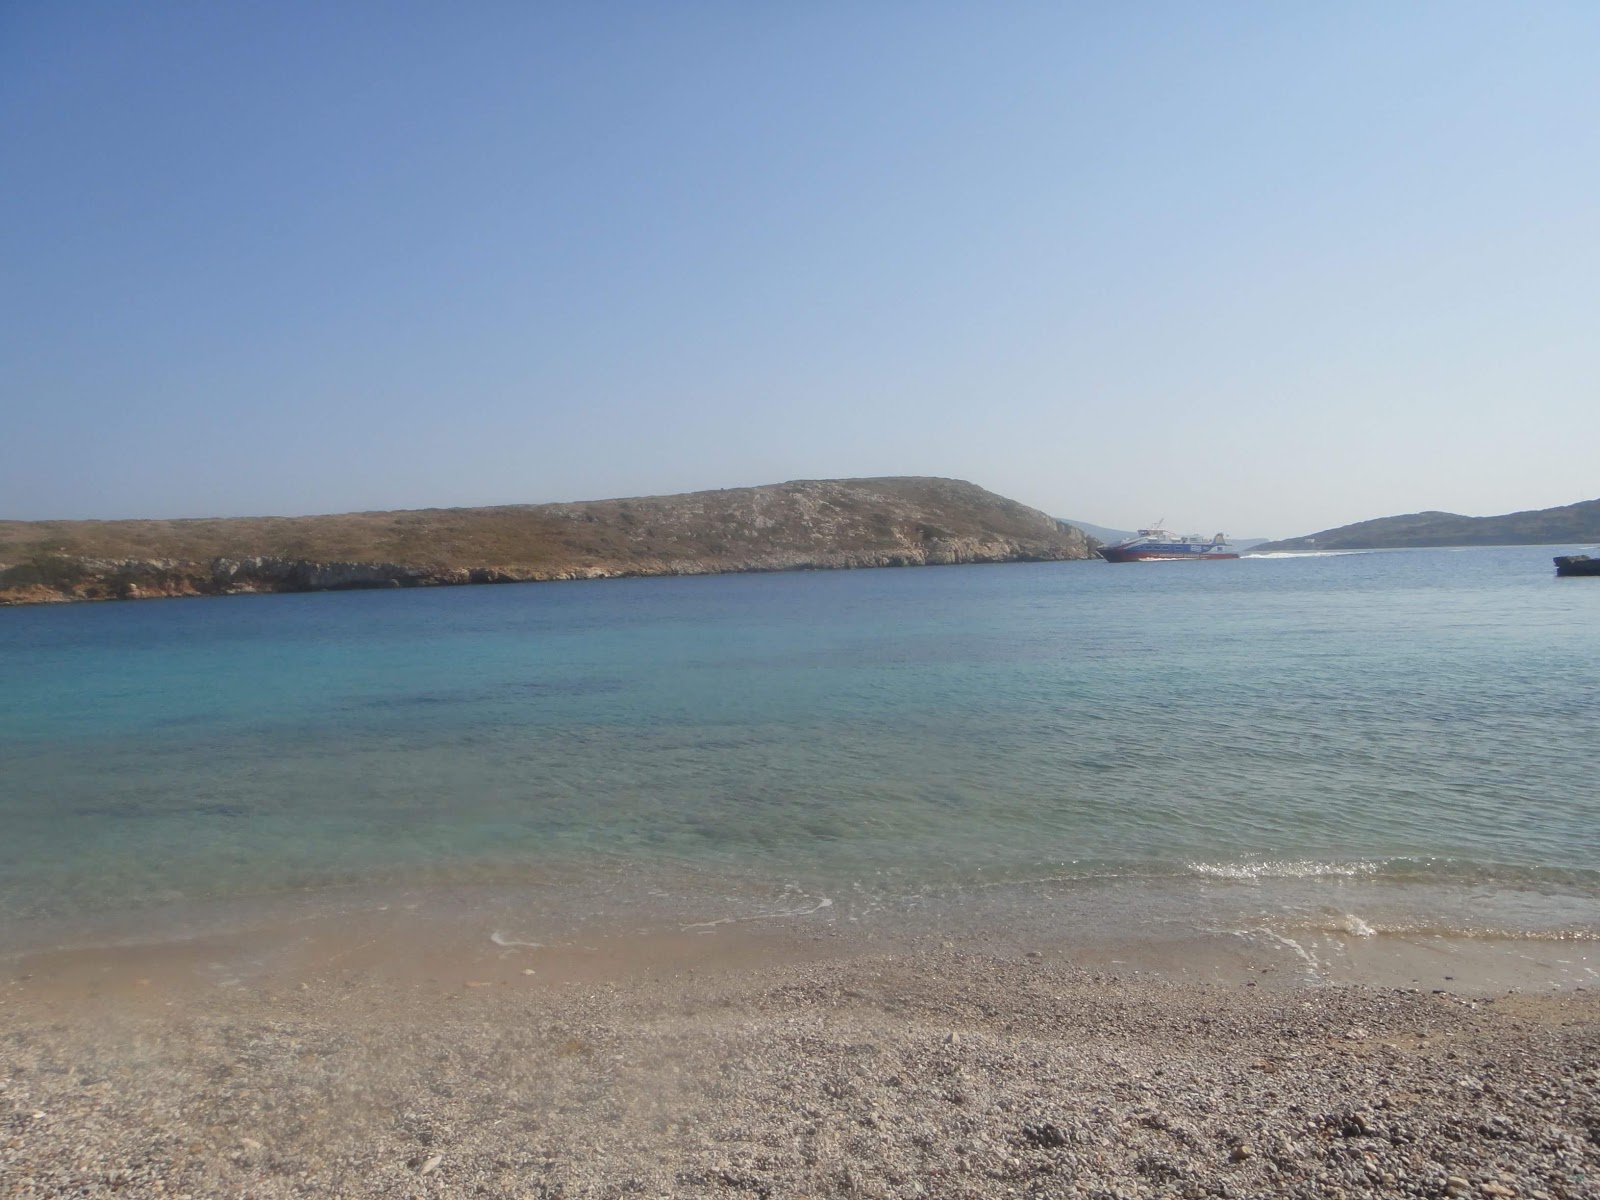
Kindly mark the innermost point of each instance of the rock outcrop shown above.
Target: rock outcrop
(803, 525)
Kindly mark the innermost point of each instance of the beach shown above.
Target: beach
(794, 1061)
(634, 601)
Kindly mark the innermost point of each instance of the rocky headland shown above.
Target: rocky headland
(800, 525)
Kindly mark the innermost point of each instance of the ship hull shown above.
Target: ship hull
(1118, 554)
(1577, 564)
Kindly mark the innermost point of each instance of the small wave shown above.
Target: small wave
(821, 904)
(500, 939)
(1353, 926)
(1286, 869)
(1403, 870)
(1356, 927)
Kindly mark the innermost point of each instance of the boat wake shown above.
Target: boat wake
(1305, 553)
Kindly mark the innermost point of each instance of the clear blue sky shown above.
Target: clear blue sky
(1261, 267)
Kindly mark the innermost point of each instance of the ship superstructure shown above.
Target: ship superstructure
(1158, 543)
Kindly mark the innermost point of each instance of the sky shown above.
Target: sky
(1260, 267)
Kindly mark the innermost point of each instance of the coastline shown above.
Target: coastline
(797, 1059)
(147, 579)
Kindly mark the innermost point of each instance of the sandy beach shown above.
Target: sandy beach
(793, 1062)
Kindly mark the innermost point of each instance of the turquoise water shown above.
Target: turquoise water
(1416, 729)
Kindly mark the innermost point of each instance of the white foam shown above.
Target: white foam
(1303, 554)
(500, 939)
(1356, 927)
(1282, 869)
(825, 902)
(1313, 965)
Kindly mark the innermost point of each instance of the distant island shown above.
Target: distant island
(800, 525)
(1101, 533)
(1537, 527)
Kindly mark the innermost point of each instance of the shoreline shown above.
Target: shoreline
(598, 927)
(793, 1062)
(406, 577)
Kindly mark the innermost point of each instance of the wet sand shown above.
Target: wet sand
(386, 1056)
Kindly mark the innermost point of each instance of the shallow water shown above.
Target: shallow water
(1397, 741)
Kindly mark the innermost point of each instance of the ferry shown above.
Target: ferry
(1156, 544)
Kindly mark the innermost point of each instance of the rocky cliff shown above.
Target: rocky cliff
(807, 524)
(1568, 524)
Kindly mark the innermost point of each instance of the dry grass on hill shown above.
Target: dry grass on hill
(788, 526)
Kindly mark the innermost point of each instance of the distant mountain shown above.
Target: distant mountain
(1537, 527)
(1099, 532)
(802, 525)
(1112, 536)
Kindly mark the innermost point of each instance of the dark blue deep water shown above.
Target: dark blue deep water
(1418, 729)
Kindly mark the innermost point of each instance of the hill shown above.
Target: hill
(1103, 533)
(804, 524)
(1536, 527)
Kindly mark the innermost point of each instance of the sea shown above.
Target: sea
(1302, 752)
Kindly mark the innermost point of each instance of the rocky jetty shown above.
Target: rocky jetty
(801, 525)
